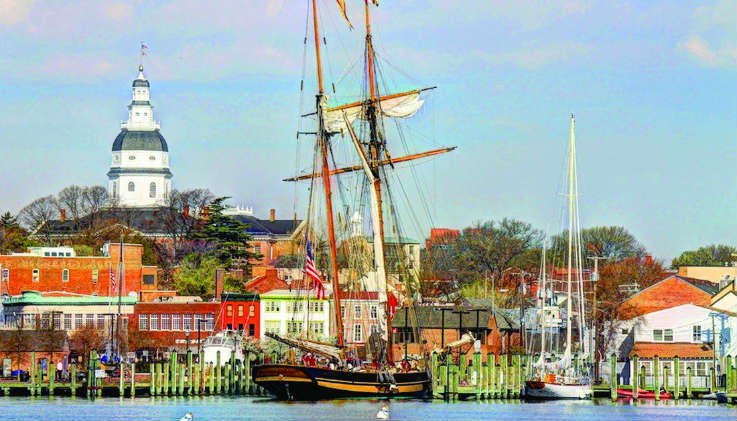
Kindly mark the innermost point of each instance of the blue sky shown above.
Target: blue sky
(653, 86)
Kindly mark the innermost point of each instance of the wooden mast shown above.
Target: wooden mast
(375, 148)
(323, 141)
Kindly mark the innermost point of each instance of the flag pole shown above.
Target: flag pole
(120, 293)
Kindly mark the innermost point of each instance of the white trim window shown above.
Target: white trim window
(697, 333)
(67, 321)
(357, 311)
(272, 306)
(187, 322)
(357, 333)
(175, 325)
(374, 313)
(35, 275)
(143, 322)
(272, 326)
(65, 275)
(165, 322)
(78, 321)
(154, 322)
(209, 321)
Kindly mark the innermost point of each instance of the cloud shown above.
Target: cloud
(273, 7)
(698, 49)
(712, 35)
(119, 11)
(14, 11)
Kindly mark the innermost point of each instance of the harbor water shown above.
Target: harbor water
(249, 408)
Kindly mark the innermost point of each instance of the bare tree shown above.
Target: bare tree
(72, 200)
(35, 215)
(95, 198)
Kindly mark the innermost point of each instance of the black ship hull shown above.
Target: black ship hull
(294, 382)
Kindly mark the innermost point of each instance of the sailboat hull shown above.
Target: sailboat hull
(293, 382)
(545, 390)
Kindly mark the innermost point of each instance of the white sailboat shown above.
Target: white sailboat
(560, 379)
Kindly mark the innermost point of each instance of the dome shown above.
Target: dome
(139, 82)
(150, 140)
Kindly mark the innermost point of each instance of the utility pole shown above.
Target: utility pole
(442, 324)
(594, 333)
(460, 312)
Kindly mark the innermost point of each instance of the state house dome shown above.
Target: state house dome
(140, 140)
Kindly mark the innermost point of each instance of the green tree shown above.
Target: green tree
(227, 236)
(711, 255)
(196, 275)
(13, 238)
(613, 243)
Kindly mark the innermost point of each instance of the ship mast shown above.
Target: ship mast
(375, 149)
(322, 139)
(571, 177)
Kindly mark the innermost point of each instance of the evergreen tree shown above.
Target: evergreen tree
(227, 236)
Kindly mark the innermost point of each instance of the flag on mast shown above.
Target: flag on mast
(341, 5)
(144, 47)
(311, 271)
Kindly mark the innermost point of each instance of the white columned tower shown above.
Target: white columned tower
(139, 174)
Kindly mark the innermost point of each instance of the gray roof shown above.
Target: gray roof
(150, 140)
(139, 82)
(430, 317)
(258, 226)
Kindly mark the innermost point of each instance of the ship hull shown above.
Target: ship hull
(545, 390)
(293, 382)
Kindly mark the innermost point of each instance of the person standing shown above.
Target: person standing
(59, 370)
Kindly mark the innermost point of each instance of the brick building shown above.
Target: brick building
(672, 291)
(86, 275)
(361, 313)
(173, 325)
(240, 312)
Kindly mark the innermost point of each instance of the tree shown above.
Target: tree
(613, 243)
(8, 221)
(13, 238)
(711, 255)
(227, 235)
(195, 275)
(84, 340)
(37, 213)
(71, 199)
(94, 198)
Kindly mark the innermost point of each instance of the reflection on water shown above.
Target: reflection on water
(244, 408)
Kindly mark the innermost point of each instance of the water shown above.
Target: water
(244, 408)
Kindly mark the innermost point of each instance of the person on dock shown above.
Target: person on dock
(59, 370)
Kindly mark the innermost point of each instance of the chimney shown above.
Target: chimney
(219, 283)
(648, 260)
(272, 215)
(185, 211)
(62, 215)
(206, 213)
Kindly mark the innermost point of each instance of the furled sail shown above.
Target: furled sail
(401, 105)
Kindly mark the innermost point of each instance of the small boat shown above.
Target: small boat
(548, 390)
(187, 417)
(642, 394)
(720, 397)
(227, 342)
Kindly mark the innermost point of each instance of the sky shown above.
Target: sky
(652, 84)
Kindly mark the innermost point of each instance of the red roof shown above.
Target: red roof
(266, 282)
(670, 350)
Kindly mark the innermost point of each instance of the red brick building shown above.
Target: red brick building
(172, 325)
(87, 275)
(240, 312)
(670, 292)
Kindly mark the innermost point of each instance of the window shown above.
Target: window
(374, 312)
(240, 310)
(357, 311)
(294, 327)
(209, 321)
(317, 306)
(101, 321)
(56, 319)
(131, 186)
(187, 322)
(229, 310)
(132, 158)
(154, 322)
(165, 322)
(95, 275)
(45, 321)
(29, 321)
(658, 335)
(697, 333)
(6, 274)
(53, 254)
(89, 320)
(78, 321)
(149, 279)
(701, 368)
(374, 328)
(175, 322)
(251, 329)
(152, 190)
(668, 335)
(138, 114)
(67, 322)
(143, 322)
(257, 249)
(357, 336)
(296, 306)
(318, 328)
(65, 275)
(197, 318)
(251, 310)
(272, 326)
(151, 158)
(35, 275)
(272, 306)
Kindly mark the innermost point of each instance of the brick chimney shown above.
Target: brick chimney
(272, 215)
(219, 283)
(62, 215)
(648, 260)
(185, 211)
(206, 213)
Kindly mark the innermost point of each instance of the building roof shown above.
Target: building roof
(670, 350)
(28, 298)
(268, 227)
(430, 317)
(359, 295)
(140, 140)
(140, 82)
(143, 220)
(706, 286)
(237, 296)
(269, 281)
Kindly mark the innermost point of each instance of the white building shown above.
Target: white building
(139, 173)
(292, 312)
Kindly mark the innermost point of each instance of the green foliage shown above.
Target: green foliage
(711, 255)
(614, 243)
(83, 250)
(196, 275)
(234, 285)
(13, 238)
(228, 236)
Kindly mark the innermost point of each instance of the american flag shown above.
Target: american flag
(312, 272)
(112, 279)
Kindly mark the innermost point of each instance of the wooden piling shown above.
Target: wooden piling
(73, 372)
(689, 373)
(190, 374)
(656, 378)
(180, 380)
(635, 378)
(52, 375)
(247, 368)
(133, 379)
(478, 374)
(613, 376)
(226, 378)
(173, 370)
(152, 381)
(210, 379)
(728, 364)
(676, 377)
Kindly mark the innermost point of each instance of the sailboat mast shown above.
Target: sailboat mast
(375, 155)
(542, 306)
(322, 139)
(571, 174)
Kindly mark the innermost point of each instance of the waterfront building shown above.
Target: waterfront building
(180, 324)
(240, 312)
(59, 269)
(362, 313)
(726, 297)
(670, 292)
(713, 274)
(291, 312)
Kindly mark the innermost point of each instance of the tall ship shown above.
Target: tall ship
(564, 377)
(353, 249)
